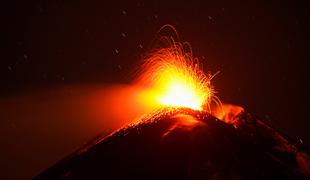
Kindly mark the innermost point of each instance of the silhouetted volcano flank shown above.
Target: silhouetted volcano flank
(187, 144)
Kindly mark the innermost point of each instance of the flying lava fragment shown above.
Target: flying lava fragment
(182, 138)
(175, 77)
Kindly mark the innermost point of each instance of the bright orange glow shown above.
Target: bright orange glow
(175, 77)
(184, 122)
(227, 112)
(178, 88)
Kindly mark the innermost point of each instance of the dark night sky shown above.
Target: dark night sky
(261, 49)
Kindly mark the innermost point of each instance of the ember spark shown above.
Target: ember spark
(175, 77)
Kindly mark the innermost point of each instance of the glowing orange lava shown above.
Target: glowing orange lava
(227, 113)
(175, 77)
(178, 86)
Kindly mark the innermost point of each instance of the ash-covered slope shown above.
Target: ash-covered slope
(187, 144)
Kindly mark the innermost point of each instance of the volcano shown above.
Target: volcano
(181, 143)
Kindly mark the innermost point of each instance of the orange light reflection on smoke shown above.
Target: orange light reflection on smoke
(122, 103)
